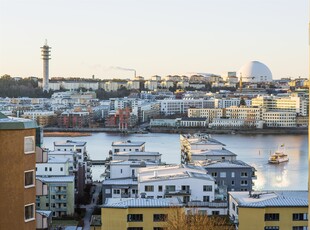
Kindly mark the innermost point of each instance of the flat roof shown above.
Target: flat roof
(56, 179)
(121, 181)
(262, 199)
(127, 143)
(141, 203)
(8, 123)
(69, 143)
(212, 152)
(137, 153)
(228, 164)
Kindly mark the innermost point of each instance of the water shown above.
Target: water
(253, 149)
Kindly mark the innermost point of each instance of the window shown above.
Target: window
(244, 182)
(207, 188)
(232, 174)
(116, 191)
(272, 217)
(135, 228)
(160, 217)
(45, 169)
(206, 198)
(244, 174)
(29, 146)
(47, 205)
(29, 212)
(234, 206)
(29, 178)
(271, 228)
(222, 174)
(61, 169)
(202, 212)
(149, 188)
(170, 188)
(300, 228)
(50, 169)
(232, 182)
(160, 188)
(214, 174)
(116, 150)
(121, 170)
(107, 191)
(134, 217)
(215, 212)
(300, 216)
(159, 228)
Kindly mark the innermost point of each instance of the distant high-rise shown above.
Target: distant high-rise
(45, 53)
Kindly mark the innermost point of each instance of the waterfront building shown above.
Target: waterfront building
(234, 175)
(269, 210)
(127, 146)
(233, 123)
(137, 155)
(163, 123)
(19, 187)
(197, 142)
(43, 118)
(60, 197)
(70, 119)
(279, 119)
(193, 122)
(132, 213)
(210, 113)
(208, 155)
(186, 182)
(229, 102)
(169, 107)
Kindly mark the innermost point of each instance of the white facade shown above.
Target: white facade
(255, 71)
(151, 85)
(188, 184)
(127, 146)
(169, 107)
(210, 114)
(54, 167)
(139, 156)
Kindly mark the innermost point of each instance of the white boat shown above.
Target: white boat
(278, 156)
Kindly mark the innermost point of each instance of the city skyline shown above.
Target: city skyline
(154, 37)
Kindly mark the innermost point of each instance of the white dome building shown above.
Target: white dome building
(255, 72)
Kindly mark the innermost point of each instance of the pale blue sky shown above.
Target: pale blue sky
(154, 37)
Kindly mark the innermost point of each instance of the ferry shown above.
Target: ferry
(278, 157)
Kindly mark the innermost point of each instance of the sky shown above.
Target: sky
(154, 37)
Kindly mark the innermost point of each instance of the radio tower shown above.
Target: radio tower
(45, 53)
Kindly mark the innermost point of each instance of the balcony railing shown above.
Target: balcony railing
(207, 204)
(178, 192)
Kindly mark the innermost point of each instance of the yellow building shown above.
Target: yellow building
(137, 213)
(269, 210)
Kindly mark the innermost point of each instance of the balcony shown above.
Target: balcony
(41, 188)
(178, 192)
(59, 192)
(207, 204)
(41, 155)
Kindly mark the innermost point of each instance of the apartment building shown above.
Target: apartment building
(279, 119)
(19, 187)
(269, 210)
(185, 182)
(174, 106)
(53, 167)
(137, 213)
(210, 113)
(127, 146)
(70, 119)
(60, 197)
(209, 155)
(197, 142)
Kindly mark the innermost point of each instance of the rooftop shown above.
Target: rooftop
(127, 143)
(138, 153)
(264, 199)
(69, 143)
(56, 179)
(213, 152)
(8, 123)
(228, 164)
(121, 181)
(141, 203)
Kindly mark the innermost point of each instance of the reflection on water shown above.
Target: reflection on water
(253, 149)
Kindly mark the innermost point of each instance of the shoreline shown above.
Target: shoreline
(76, 132)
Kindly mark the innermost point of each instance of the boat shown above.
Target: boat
(278, 156)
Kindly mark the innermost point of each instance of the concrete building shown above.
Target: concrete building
(210, 113)
(279, 119)
(60, 197)
(255, 71)
(169, 107)
(19, 187)
(269, 210)
(127, 146)
(53, 167)
(138, 214)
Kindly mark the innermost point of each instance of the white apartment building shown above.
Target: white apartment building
(183, 84)
(279, 119)
(174, 106)
(184, 182)
(225, 102)
(133, 84)
(208, 155)
(138, 156)
(127, 146)
(113, 85)
(72, 156)
(167, 84)
(233, 123)
(53, 167)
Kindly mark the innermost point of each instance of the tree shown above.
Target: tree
(179, 220)
(242, 102)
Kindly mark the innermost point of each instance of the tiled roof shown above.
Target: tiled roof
(141, 203)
